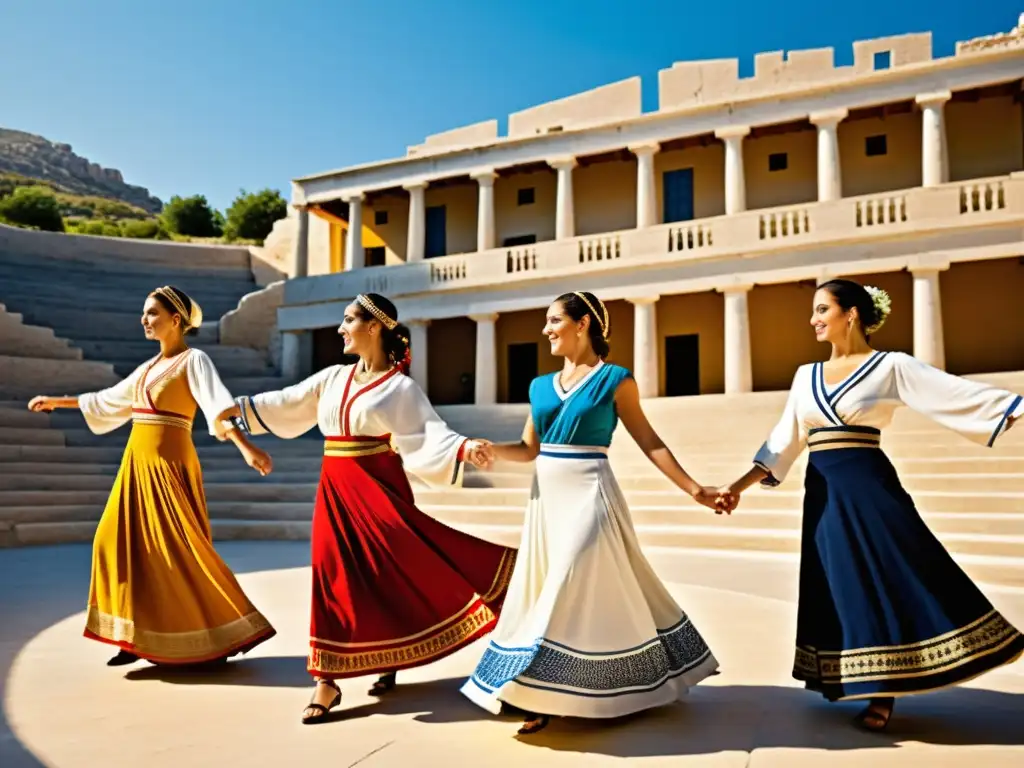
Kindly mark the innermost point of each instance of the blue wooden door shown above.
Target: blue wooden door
(677, 187)
(437, 234)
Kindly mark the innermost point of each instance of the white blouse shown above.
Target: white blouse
(393, 405)
(870, 395)
(108, 409)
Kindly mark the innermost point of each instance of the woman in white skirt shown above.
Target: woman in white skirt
(587, 629)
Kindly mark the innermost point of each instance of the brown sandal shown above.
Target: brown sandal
(319, 713)
(875, 716)
(384, 684)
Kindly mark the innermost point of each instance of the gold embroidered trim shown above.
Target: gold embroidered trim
(162, 420)
(989, 634)
(502, 577)
(199, 643)
(354, 449)
(332, 662)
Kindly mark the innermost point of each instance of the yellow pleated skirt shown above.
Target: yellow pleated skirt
(159, 589)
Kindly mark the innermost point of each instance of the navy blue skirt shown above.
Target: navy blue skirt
(884, 610)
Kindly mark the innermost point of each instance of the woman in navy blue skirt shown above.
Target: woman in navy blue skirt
(884, 611)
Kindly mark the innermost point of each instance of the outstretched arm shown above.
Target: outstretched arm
(46, 403)
(627, 403)
(524, 451)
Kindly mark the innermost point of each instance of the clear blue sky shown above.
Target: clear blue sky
(209, 96)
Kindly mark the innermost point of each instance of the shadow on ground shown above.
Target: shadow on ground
(712, 719)
(40, 586)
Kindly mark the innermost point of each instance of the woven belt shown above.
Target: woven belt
(161, 419)
(353, 447)
(830, 438)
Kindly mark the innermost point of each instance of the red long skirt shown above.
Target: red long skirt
(392, 587)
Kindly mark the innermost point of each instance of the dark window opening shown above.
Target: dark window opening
(525, 196)
(512, 242)
(778, 161)
(876, 145)
(682, 365)
(883, 60)
(376, 256)
(522, 369)
(380, 218)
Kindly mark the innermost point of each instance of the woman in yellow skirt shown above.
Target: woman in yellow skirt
(159, 589)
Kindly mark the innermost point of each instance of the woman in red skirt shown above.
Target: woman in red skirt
(392, 587)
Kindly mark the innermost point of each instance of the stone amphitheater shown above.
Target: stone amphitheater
(69, 323)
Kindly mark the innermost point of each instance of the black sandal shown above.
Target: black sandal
(384, 684)
(122, 659)
(319, 710)
(875, 716)
(534, 723)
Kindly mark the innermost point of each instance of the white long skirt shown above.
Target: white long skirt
(587, 628)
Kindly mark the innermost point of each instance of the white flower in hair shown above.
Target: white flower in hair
(883, 306)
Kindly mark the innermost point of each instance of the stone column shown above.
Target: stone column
(485, 210)
(417, 242)
(645, 345)
(929, 345)
(355, 257)
(486, 359)
(646, 190)
(296, 355)
(300, 246)
(735, 183)
(565, 219)
(738, 370)
(934, 153)
(830, 176)
(418, 347)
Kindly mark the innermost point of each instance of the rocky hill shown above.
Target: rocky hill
(39, 158)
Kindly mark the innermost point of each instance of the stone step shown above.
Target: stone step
(43, 475)
(103, 265)
(22, 417)
(38, 308)
(30, 436)
(116, 287)
(22, 377)
(95, 324)
(309, 450)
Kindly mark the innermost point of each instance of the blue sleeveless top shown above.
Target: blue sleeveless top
(585, 415)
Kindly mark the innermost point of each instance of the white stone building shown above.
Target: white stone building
(705, 224)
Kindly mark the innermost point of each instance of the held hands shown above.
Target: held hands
(258, 459)
(41, 404)
(722, 500)
(479, 453)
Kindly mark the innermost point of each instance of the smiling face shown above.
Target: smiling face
(565, 334)
(158, 322)
(830, 322)
(358, 334)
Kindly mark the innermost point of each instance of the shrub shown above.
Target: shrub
(143, 230)
(32, 207)
(191, 216)
(252, 215)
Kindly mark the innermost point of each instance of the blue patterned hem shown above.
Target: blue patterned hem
(553, 666)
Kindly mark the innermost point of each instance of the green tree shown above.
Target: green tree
(190, 216)
(252, 215)
(32, 207)
(144, 230)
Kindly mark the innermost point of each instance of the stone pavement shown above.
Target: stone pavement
(63, 708)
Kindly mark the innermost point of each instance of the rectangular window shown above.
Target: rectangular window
(437, 231)
(883, 60)
(376, 256)
(380, 218)
(876, 145)
(525, 196)
(778, 161)
(677, 189)
(517, 240)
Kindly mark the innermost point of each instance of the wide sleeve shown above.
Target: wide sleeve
(108, 409)
(209, 391)
(786, 441)
(979, 412)
(288, 412)
(429, 448)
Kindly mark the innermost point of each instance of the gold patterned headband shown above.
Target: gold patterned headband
(367, 303)
(602, 319)
(192, 319)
